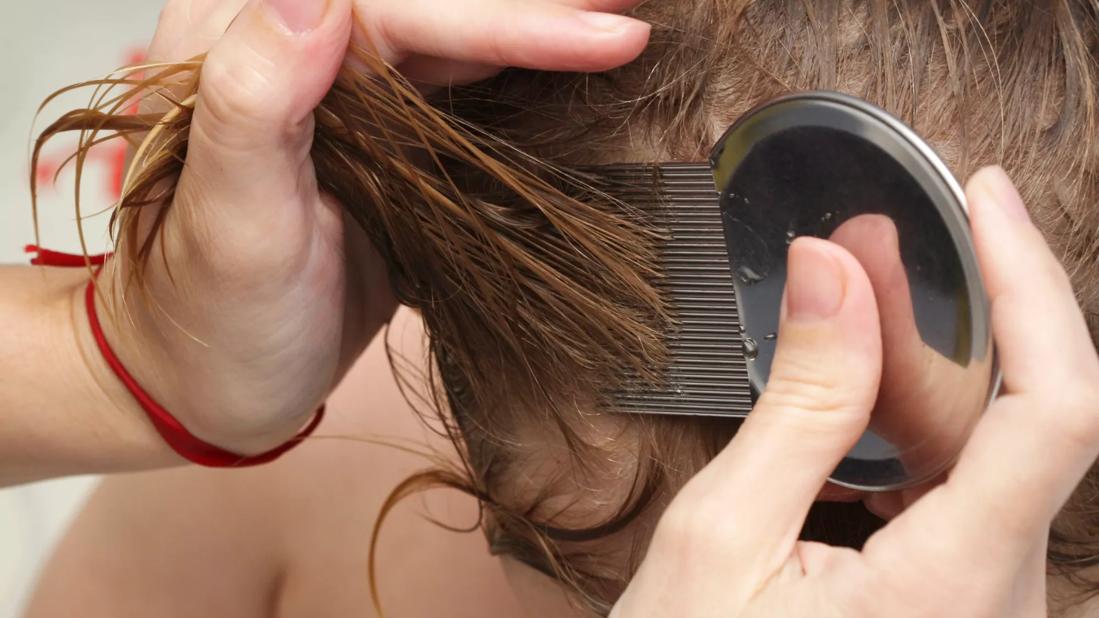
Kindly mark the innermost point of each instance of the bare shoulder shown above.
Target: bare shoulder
(288, 539)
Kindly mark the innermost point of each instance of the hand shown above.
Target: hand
(974, 545)
(268, 293)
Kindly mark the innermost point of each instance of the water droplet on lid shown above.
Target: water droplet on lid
(771, 337)
(751, 348)
(827, 216)
(790, 236)
(741, 329)
(748, 276)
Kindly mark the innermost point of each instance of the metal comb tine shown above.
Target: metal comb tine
(700, 243)
(711, 321)
(697, 336)
(677, 401)
(686, 411)
(696, 270)
(703, 285)
(733, 356)
(701, 302)
(702, 366)
(697, 377)
(709, 326)
(685, 314)
(701, 297)
(706, 261)
(707, 390)
(701, 380)
(718, 348)
(709, 255)
(700, 406)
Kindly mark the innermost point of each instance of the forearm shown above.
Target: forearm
(64, 412)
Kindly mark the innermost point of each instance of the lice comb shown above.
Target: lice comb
(830, 166)
(706, 373)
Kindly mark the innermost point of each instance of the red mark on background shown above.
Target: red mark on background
(111, 154)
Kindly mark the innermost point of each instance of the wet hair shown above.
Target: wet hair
(539, 292)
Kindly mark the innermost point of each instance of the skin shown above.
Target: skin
(973, 545)
(951, 549)
(272, 296)
(289, 539)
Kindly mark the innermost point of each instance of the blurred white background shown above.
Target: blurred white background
(49, 44)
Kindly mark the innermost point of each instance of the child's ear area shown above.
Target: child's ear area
(593, 501)
(541, 594)
(572, 482)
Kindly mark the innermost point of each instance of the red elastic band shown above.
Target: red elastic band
(183, 442)
(45, 257)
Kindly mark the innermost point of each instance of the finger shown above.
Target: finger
(188, 28)
(607, 6)
(817, 402)
(428, 71)
(425, 71)
(875, 243)
(1039, 329)
(252, 126)
(535, 35)
(1033, 445)
(919, 408)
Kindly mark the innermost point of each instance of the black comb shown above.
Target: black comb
(706, 373)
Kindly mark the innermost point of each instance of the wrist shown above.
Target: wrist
(80, 388)
(175, 375)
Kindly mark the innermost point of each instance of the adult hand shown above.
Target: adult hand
(272, 291)
(974, 545)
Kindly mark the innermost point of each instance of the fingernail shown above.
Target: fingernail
(299, 15)
(815, 281)
(609, 22)
(994, 185)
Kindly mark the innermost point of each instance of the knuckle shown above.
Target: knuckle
(799, 386)
(380, 33)
(173, 12)
(236, 93)
(238, 255)
(495, 51)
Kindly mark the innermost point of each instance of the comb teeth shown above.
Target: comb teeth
(706, 373)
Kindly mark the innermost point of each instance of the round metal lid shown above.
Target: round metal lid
(836, 167)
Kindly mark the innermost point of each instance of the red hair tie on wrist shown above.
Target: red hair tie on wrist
(183, 442)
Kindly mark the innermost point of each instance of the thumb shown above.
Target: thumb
(817, 402)
(823, 382)
(734, 526)
(252, 126)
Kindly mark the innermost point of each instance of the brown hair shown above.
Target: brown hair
(538, 291)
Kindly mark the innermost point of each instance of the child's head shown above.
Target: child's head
(574, 487)
(539, 293)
